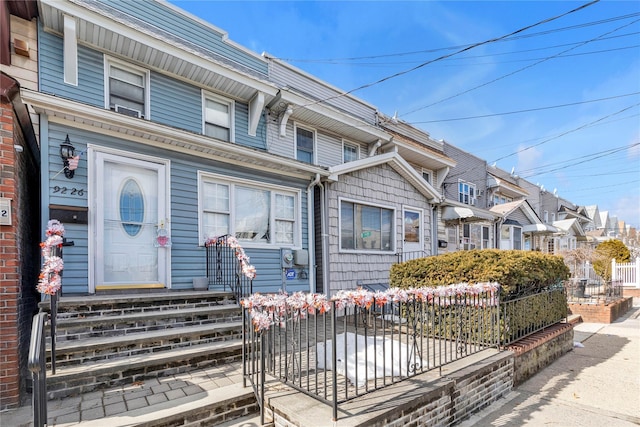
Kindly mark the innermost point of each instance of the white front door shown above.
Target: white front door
(130, 205)
(413, 234)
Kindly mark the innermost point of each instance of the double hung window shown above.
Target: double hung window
(349, 152)
(250, 211)
(127, 89)
(305, 143)
(466, 193)
(218, 117)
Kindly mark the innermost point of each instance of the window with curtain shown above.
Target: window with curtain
(218, 118)
(127, 89)
(249, 211)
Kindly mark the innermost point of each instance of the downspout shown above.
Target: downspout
(373, 147)
(310, 232)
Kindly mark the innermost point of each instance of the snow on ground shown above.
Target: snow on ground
(376, 357)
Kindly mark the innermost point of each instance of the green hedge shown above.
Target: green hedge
(518, 272)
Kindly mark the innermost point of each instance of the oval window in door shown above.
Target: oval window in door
(131, 207)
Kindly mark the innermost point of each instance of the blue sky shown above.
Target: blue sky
(559, 102)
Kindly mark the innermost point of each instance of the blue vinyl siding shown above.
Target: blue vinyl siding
(175, 103)
(64, 191)
(191, 31)
(188, 258)
(242, 129)
(75, 275)
(90, 89)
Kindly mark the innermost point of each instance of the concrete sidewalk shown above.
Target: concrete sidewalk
(596, 385)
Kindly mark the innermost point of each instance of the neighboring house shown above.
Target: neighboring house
(518, 226)
(570, 233)
(466, 223)
(19, 197)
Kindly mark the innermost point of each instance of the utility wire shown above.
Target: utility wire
(401, 73)
(520, 69)
(415, 52)
(567, 132)
(527, 110)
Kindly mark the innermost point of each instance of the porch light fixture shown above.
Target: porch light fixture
(67, 151)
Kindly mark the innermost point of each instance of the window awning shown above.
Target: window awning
(465, 213)
(539, 229)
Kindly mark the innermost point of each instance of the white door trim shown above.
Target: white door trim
(95, 152)
(414, 246)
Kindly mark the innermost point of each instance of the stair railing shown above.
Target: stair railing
(227, 266)
(37, 365)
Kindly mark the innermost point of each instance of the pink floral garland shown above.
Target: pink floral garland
(247, 269)
(269, 309)
(50, 281)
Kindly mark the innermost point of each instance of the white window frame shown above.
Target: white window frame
(108, 63)
(427, 175)
(467, 194)
(222, 100)
(274, 190)
(546, 217)
(348, 144)
(393, 231)
(295, 142)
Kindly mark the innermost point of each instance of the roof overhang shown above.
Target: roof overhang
(397, 163)
(539, 229)
(112, 34)
(505, 187)
(102, 121)
(465, 214)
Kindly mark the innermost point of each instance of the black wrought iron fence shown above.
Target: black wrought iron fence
(526, 315)
(362, 341)
(585, 291)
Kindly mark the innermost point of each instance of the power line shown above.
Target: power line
(527, 110)
(566, 133)
(502, 39)
(544, 21)
(519, 69)
(572, 162)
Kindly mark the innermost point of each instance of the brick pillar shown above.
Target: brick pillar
(19, 249)
(9, 273)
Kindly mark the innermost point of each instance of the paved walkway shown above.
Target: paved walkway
(597, 385)
(151, 393)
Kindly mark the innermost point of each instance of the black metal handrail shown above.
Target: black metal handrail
(225, 269)
(37, 365)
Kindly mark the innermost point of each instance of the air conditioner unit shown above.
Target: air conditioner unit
(127, 111)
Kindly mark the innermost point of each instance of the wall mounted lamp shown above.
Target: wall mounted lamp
(67, 152)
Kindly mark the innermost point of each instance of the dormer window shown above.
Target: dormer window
(127, 89)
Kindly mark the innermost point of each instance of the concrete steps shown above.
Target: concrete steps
(114, 341)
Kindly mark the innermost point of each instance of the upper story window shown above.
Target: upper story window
(218, 117)
(365, 227)
(250, 211)
(350, 152)
(426, 175)
(305, 145)
(127, 89)
(499, 199)
(546, 217)
(466, 193)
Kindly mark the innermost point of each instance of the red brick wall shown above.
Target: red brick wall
(601, 313)
(19, 257)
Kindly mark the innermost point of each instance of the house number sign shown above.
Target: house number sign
(5, 211)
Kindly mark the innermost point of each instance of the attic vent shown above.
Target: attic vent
(127, 111)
